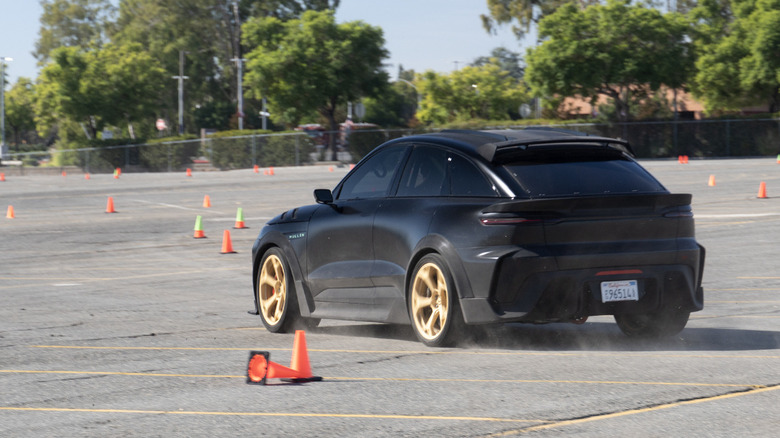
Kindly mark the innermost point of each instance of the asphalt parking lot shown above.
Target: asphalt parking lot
(124, 324)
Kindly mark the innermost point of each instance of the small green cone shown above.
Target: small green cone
(199, 234)
(240, 218)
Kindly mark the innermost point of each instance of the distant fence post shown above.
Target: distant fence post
(297, 150)
(254, 150)
(170, 167)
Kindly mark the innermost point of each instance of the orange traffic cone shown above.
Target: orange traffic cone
(778, 159)
(240, 219)
(711, 183)
(227, 245)
(300, 356)
(330, 169)
(206, 201)
(110, 205)
(64, 173)
(199, 234)
(260, 368)
(189, 172)
(257, 168)
(351, 166)
(10, 213)
(2, 177)
(271, 171)
(762, 190)
(86, 176)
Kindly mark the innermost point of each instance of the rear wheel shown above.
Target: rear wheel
(653, 325)
(433, 303)
(276, 301)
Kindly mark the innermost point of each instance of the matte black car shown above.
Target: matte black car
(459, 228)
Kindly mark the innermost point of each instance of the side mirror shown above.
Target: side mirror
(323, 196)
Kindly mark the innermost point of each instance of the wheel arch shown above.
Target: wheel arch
(437, 244)
(279, 240)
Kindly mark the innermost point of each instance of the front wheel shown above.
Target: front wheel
(433, 303)
(653, 325)
(277, 303)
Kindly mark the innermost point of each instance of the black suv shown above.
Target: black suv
(458, 228)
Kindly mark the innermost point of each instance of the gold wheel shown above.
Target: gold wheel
(272, 290)
(429, 301)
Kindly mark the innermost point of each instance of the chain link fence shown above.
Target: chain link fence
(701, 138)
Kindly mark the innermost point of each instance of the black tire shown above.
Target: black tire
(433, 303)
(277, 303)
(653, 325)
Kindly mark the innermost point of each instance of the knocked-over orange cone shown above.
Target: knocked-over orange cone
(206, 201)
(711, 183)
(227, 245)
(260, 368)
(10, 213)
(110, 205)
(762, 190)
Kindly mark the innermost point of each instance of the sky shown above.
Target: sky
(439, 35)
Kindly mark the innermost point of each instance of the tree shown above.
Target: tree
(19, 110)
(617, 50)
(72, 23)
(508, 60)
(487, 92)
(112, 85)
(202, 39)
(525, 12)
(739, 45)
(313, 63)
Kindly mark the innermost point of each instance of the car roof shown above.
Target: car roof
(493, 144)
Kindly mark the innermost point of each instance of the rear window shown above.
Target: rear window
(580, 173)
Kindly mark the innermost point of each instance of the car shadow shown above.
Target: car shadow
(592, 336)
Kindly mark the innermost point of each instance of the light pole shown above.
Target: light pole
(240, 63)
(181, 79)
(417, 92)
(3, 146)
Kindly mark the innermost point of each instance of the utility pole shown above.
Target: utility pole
(240, 63)
(3, 146)
(181, 79)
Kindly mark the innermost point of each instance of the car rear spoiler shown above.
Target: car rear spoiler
(652, 202)
(491, 151)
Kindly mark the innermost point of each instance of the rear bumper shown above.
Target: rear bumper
(533, 290)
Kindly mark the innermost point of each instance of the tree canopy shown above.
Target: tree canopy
(485, 92)
(313, 62)
(739, 63)
(617, 50)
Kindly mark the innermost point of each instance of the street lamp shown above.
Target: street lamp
(3, 147)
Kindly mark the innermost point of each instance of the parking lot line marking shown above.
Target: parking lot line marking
(758, 278)
(395, 379)
(557, 424)
(452, 352)
(277, 414)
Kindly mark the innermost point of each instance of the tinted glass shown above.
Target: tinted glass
(575, 173)
(467, 180)
(372, 178)
(425, 173)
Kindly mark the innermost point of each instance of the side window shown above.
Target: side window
(373, 178)
(425, 173)
(467, 180)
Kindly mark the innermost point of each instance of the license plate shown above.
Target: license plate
(626, 290)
